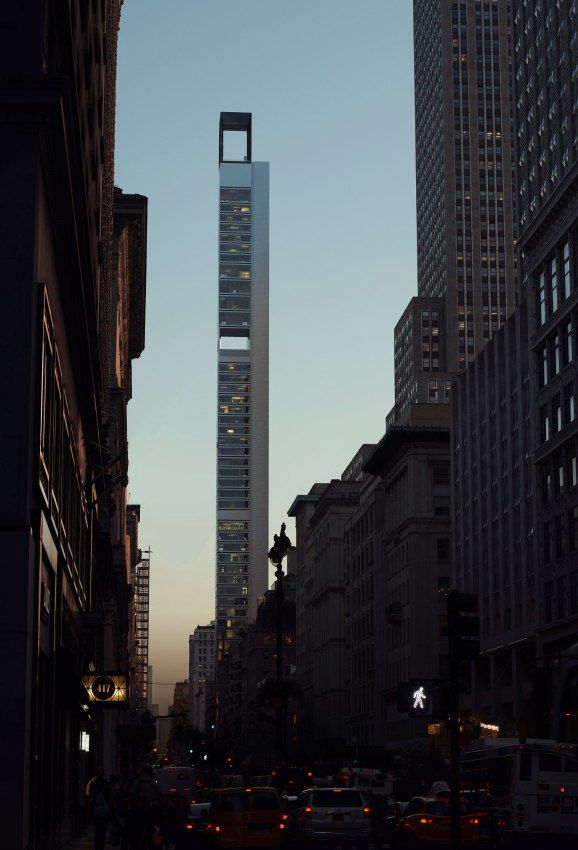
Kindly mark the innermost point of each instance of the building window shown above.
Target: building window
(555, 355)
(544, 424)
(543, 366)
(569, 343)
(443, 549)
(443, 586)
(554, 284)
(569, 405)
(566, 270)
(441, 489)
(571, 466)
(556, 414)
(542, 297)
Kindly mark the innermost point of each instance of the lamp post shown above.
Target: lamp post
(277, 552)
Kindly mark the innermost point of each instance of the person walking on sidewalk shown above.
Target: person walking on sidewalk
(143, 823)
(100, 807)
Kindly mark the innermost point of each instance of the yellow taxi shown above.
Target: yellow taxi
(426, 822)
(245, 817)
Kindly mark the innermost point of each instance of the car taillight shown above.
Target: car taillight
(308, 812)
(407, 825)
(366, 810)
(426, 820)
(189, 826)
(217, 829)
(281, 826)
(310, 774)
(474, 821)
(501, 823)
(284, 817)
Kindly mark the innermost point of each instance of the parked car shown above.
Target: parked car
(426, 822)
(245, 817)
(325, 814)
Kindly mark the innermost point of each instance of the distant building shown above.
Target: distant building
(320, 616)
(243, 383)
(363, 541)
(420, 358)
(413, 574)
(201, 667)
(179, 737)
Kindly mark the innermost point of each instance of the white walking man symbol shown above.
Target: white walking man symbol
(419, 698)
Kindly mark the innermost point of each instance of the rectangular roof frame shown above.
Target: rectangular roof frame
(237, 122)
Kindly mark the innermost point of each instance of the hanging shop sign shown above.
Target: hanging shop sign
(106, 688)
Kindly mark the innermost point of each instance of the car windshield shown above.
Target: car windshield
(337, 799)
(244, 801)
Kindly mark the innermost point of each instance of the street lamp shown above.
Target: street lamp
(277, 552)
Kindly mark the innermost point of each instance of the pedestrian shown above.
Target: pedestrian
(100, 807)
(143, 822)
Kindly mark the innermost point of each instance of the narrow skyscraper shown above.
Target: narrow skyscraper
(243, 382)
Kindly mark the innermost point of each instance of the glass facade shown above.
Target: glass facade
(234, 411)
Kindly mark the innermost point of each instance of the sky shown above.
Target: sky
(330, 87)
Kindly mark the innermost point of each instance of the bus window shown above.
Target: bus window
(550, 762)
(525, 767)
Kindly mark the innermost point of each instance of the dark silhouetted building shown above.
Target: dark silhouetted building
(514, 432)
(413, 565)
(73, 296)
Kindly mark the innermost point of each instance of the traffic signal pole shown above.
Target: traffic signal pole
(463, 645)
(454, 731)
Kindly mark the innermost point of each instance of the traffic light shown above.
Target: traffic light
(463, 626)
(418, 697)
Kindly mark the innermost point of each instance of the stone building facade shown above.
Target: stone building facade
(321, 518)
(65, 385)
(413, 572)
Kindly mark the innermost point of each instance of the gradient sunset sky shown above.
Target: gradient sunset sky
(330, 87)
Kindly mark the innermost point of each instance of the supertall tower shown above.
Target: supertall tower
(243, 382)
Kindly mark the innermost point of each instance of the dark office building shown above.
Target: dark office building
(65, 384)
(514, 433)
(546, 81)
(494, 519)
(464, 159)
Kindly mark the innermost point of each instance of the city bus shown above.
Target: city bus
(534, 784)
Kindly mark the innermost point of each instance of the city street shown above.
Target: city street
(289, 431)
